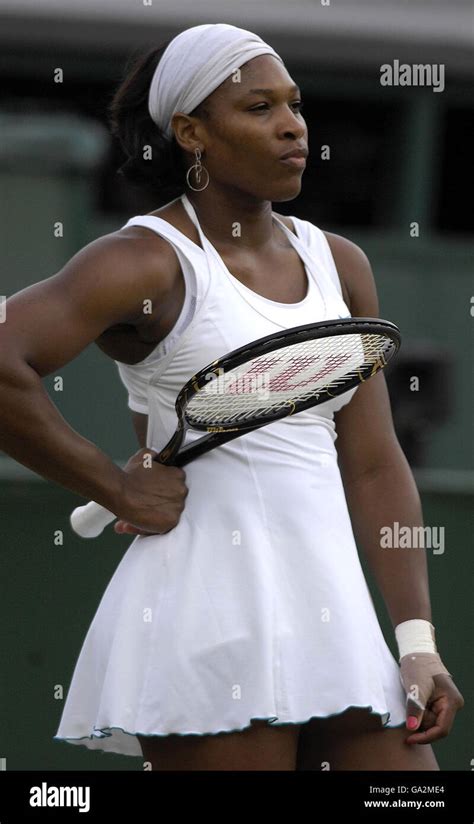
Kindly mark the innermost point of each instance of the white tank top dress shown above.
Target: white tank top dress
(255, 605)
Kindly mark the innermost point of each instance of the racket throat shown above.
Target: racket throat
(168, 452)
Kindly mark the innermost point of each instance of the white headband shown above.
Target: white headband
(195, 63)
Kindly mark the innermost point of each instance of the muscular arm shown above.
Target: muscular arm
(46, 326)
(378, 482)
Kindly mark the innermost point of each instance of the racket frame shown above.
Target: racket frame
(222, 434)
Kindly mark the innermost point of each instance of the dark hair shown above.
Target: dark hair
(130, 122)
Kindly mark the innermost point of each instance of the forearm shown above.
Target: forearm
(377, 500)
(34, 433)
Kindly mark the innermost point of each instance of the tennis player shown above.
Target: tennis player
(238, 631)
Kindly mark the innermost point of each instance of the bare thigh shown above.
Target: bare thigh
(356, 740)
(261, 746)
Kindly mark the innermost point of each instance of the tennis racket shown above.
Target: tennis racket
(266, 380)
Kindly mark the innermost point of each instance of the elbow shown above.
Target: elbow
(384, 463)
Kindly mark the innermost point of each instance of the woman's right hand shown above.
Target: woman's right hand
(153, 495)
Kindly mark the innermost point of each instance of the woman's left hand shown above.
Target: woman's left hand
(432, 699)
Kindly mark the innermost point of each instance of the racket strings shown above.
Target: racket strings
(291, 375)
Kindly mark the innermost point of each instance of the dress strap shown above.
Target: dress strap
(313, 276)
(191, 211)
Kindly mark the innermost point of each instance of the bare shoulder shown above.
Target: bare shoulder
(154, 261)
(356, 276)
(147, 244)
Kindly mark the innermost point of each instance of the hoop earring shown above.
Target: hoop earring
(198, 168)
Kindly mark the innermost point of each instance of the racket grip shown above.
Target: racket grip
(90, 520)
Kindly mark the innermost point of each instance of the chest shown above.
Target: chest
(280, 277)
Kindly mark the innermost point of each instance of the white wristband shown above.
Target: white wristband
(416, 635)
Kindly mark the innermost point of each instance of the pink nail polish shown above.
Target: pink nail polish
(412, 722)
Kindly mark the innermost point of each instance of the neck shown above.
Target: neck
(234, 220)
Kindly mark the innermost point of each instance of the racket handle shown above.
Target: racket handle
(90, 520)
